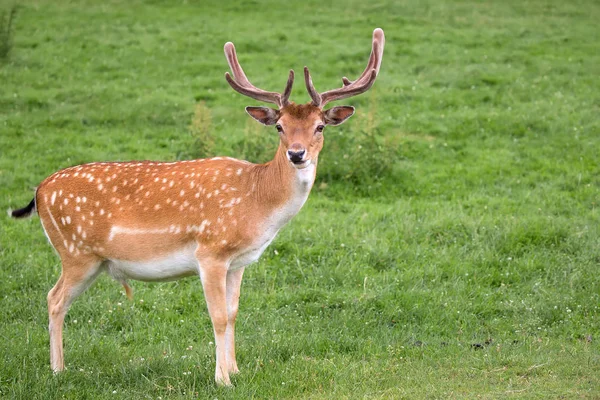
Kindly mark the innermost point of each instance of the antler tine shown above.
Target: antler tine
(314, 95)
(360, 85)
(288, 89)
(375, 57)
(241, 84)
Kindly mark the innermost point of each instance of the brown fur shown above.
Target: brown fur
(302, 111)
(216, 204)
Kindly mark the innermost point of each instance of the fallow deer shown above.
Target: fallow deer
(157, 221)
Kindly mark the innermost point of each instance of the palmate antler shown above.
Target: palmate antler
(241, 84)
(361, 85)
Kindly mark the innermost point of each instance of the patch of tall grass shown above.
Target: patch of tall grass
(357, 156)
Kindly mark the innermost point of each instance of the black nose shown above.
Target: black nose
(296, 156)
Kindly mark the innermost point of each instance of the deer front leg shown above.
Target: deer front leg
(234, 281)
(213, 275)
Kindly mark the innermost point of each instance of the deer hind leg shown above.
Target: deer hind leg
(213, 276)
(234, 282)
(75, 278)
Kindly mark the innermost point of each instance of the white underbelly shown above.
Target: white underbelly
(251, 255)
(169, 267)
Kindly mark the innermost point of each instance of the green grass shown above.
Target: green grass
(450, 248)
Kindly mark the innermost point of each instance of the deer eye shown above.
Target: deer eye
(320, 128)
(279, 128)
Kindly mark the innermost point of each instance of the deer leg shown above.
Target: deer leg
(234, 281)
(75, 278)
(56, 315)
(213, 275)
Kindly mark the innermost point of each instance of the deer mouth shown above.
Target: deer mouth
(301, 164)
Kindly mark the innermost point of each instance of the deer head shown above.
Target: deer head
(300, 127)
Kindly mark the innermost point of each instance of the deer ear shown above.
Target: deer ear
(337, 115)
(264, 115)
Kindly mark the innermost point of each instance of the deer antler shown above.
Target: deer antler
(351, 88)
(241, 84)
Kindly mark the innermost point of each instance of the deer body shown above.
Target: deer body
(158, 221)
(146, 220)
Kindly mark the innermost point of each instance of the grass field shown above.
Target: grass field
(450, 247)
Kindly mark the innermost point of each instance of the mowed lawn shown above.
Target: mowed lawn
(450, 247)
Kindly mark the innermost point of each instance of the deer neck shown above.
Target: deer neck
(281, 187)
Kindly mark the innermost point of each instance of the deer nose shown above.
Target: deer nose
(296, 156)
